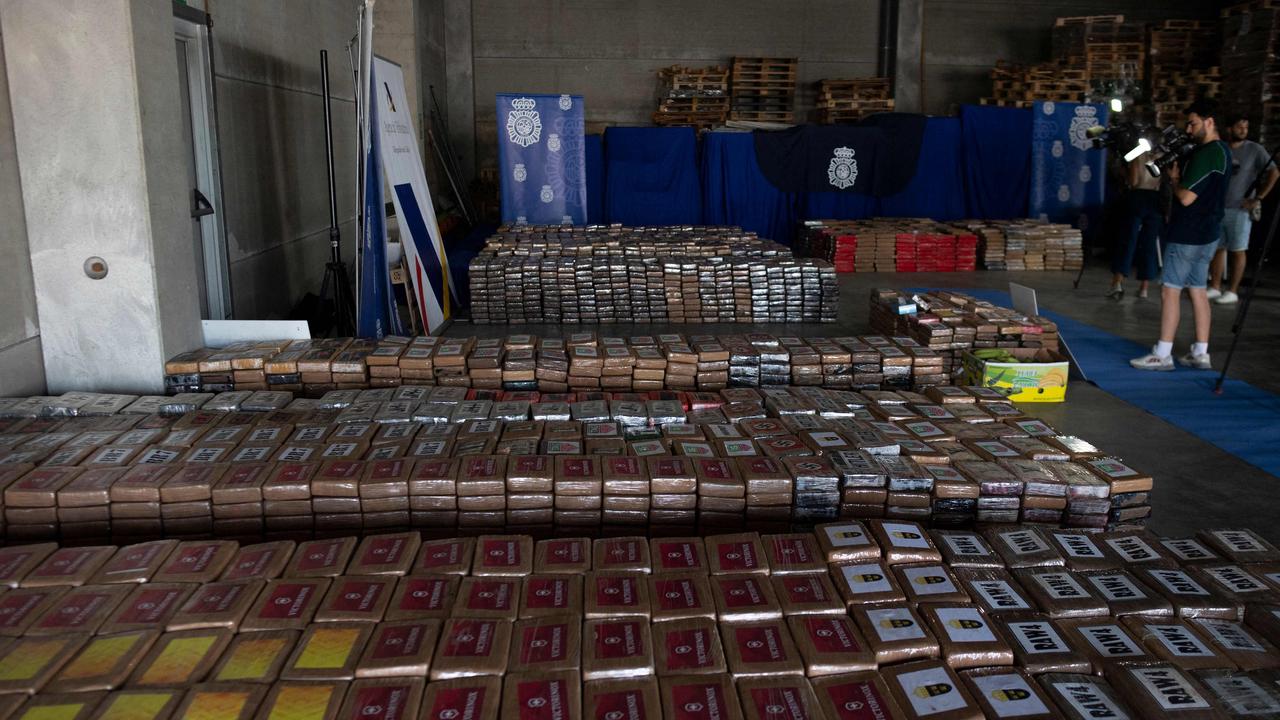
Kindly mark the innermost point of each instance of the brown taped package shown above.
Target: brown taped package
(1234, 639)
(615, 594)
(546, 644)
(1009, 693)
(82, 609)
(322, 698)
(387, 699)
(930, 689)
(633, 699)
(1240, 545)
(680, 596)
(847, 541)
(504, 555)
(904, 542)
(1174, 640)
(700, 697)
(744, 598)
(68, 566)
(895, 633)
(65, 706)
(385, 554)
(1241, 695)
(471, 646)
(763, 696)
(866, 693)
(488, 597)
(321, 558)
(807, 595)
(1133, 547)
(677, 554)
(399, 648)
(616, 648)
(526, 696)
(17, 561)
(422, 596)
(24, 606)
(255, 657)
(929, 582)
(148, 606)
(327, 651)
(962, 548)
(356, 598)
(264, 561)
(1039, 646)
(196, 562)
(830, 645)
(1236, 582)
(684, 647)
(866, 583)
(1060, 594)
(1104, 640)
(135, 563)
(760, 648)
(285, 604)
(1191, 597)
(966, 635)
(1024, 547)
(741, 553)
(547, 595)
(179, 659)
(1125, 594)
(445, 557)
(105, 662)
(1081, 550)
(794, 553)
(1160, 690)
(474, 698)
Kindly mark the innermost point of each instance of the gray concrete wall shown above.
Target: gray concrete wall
(271, 128)
(21, 367)
(609, 51)
(964, 38)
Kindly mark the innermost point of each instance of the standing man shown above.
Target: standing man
(1199, 195)
(1248, 159)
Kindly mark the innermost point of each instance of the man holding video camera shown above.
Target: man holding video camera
(1200, 190)
(1249, 160)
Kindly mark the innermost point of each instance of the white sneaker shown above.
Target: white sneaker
(1212, 293)
(1152, 361)
(1197, 362)
(1226, 298)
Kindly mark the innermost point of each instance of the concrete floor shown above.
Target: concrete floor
(1197, 484)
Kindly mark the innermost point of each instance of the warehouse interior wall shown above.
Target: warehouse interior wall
(963, 39)
(21, 364)
(610, 51)
(266, 58)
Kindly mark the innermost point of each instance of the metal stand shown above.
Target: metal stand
(1238, 326)
(337, 302)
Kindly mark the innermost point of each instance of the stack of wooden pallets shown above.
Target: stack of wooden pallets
(696, 97)
(764, 89)
(853, 99)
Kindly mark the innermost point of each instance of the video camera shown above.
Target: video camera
(1133, 139)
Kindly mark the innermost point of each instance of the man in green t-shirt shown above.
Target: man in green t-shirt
(1200, 191)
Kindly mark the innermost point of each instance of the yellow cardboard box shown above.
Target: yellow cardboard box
(1042, 377)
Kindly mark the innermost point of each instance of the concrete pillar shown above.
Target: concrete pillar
(461, 93)
(908, 81)
(94, 87)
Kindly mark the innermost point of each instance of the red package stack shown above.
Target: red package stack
(846, 247)
(936, 253)
(966, 252)
(905, 252)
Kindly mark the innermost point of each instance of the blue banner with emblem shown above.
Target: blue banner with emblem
(1068, 175)
(542, 159)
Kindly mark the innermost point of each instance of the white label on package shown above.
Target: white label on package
(1010, 695)
(965, 625)
(893, 624)
(1169, 688)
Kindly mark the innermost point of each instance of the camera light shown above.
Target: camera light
(1143, 146)
(1117, 105)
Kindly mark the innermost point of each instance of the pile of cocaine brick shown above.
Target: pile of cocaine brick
(949, 323)
(1027, 244)
(580, 362)
(889, 245)
(601, 274)
(421, 457)
(850, 621)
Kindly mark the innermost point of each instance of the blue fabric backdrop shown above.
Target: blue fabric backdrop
(542, 158)
(735, 192)
(1068, 175)
(651, 176)
(996, 146)
(937, 191)
(595, 179)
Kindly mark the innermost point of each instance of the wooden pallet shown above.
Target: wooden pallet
(1000, 102)
(698, 120)
(762, 116)
(1089, 20)
(694, 104)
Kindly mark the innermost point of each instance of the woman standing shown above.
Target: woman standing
(1145, 213)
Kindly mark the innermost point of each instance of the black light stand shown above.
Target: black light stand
(337, 303)
(1238, 326)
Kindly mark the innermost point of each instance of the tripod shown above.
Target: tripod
(1238, 326)
(337, 302)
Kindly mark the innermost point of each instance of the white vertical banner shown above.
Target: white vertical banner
(402, 166)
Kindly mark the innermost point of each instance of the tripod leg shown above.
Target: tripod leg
(1238, 328)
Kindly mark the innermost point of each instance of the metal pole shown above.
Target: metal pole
(1238, 327)
(335, 238)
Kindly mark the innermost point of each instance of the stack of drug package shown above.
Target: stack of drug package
(845, 619)
(616, 274)
(695, 97)
(1250, 72)
(853, 99)
(833, 240)
(1184, 66)
(889, 245)
(763, 89)
(452, 456)
(991, 241)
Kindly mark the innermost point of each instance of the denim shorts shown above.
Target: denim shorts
(1187, 266)
(1236, 225)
